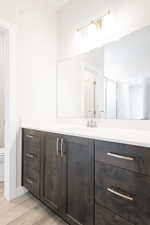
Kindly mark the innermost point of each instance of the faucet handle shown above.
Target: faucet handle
(91, 123)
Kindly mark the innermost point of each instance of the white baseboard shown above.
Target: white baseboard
(17, 193)
(20, 191)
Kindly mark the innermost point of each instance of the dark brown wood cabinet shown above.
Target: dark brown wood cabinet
(50, 171)
(88, 182)
(122, 183)
(78, 167)
(65, 174)
(31, 161)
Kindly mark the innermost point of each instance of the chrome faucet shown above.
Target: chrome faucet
(91, 123)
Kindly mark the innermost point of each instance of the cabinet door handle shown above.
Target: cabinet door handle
(29, 136)
(61, 148)
(29, 181)
(120, 156)
(128, 197)
(29, 155)
(57, 146)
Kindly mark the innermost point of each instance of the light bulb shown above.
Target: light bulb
(108, 27)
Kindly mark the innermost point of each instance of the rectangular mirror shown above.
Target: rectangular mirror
(112, 82)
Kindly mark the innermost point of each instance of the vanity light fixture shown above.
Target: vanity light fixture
(97, 22)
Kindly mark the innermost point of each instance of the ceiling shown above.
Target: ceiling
(58, 3)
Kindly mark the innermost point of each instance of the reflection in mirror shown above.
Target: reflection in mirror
(79, 80)
(111, 82)
(127, 77)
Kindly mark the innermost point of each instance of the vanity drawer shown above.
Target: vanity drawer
(31, 143)
(124, 192)
(31, 172)
(32, 139)
(31, 161)
(130, 157)
(31, 180)
(104, 216)
(32, 185)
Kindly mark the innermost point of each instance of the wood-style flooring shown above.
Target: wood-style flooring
(26, 210)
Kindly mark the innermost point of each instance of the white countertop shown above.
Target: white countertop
(133, 137)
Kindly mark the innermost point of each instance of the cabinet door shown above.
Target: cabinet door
(50, 171)
(77, 159)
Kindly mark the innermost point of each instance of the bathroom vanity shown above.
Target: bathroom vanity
(88, 181)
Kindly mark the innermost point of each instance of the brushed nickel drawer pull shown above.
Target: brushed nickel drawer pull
(29, 136)
(61, 150)
(31, 156)
(120, 195)
(57, 146)
(120, 156)
(29, 181)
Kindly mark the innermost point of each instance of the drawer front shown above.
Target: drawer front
(31, 180)
(32, 139)
(105, 217)
(32, 185)
(124, 192)
(31, 160)
(30, 171)
(130, 157)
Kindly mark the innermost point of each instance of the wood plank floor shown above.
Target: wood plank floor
(26, 210)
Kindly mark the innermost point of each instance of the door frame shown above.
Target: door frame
(12, 129)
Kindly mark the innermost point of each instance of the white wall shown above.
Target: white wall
(3, 69)
(128, 15)
(35, 62)
(35, 56)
